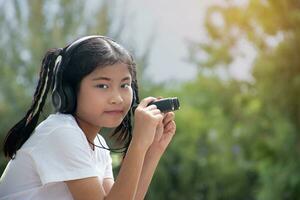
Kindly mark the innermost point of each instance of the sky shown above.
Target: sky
(174, 22)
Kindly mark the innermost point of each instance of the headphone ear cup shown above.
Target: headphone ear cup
(56, 100)
(68, 100)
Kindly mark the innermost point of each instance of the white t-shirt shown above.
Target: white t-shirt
(56, 152)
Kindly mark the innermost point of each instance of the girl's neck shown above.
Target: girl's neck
(89, 130)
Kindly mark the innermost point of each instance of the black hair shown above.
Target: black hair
(78, 60)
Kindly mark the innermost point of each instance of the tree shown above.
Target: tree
(262, 116)
(238, 139)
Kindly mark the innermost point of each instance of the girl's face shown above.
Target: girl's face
(104, 97)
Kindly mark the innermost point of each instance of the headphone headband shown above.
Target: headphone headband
(78, 41)
(59, 92)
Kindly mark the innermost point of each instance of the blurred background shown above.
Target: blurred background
(234, 65)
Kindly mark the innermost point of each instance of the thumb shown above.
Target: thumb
(159, 131)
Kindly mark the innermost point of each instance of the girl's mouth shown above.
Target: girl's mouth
(114, 112)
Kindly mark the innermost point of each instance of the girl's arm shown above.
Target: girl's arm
(125, 187)
(126, 183)
(153, 156)
(164, 133)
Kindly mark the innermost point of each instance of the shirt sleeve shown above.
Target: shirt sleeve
(108, 170)
(63, 155)
(108, 173)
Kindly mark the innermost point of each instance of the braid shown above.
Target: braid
(19, 133)
(44, 84)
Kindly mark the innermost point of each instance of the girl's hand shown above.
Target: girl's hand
(164, 133)
(146, 120)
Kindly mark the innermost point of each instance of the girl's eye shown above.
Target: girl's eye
(126, 85)
(103, 86)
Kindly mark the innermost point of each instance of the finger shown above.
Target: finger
(168, 117)
(168, 134)
(169, 125)
(156, 111)
(144, 103)
(159, 130)
(166, 125)
(158, 116)
(151, 107)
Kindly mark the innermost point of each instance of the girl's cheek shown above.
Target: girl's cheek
(128, 96)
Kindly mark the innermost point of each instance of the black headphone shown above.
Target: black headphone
(63, 95)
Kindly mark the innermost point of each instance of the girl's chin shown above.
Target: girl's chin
(113, 124)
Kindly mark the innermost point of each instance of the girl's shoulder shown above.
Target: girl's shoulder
(57, 120)
(58, 125)
(56, 128)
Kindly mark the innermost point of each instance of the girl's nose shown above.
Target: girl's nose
(116, 98)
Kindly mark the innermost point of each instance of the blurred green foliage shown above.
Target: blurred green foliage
(239, 139)
(235, 139)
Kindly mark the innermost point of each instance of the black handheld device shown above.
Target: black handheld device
(167, 104)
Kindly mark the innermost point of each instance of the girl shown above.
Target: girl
(94, 85)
